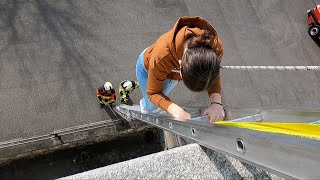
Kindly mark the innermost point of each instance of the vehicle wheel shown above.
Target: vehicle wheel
(316, 40)
(314, 31)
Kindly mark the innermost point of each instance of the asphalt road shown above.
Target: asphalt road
(55, 53)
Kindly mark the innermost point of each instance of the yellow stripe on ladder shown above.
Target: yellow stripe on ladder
(294, 129)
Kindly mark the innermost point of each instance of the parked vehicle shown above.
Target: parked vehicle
(314, 24)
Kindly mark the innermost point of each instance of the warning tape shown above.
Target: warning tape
(294, 129)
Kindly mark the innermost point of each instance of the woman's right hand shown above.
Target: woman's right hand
(177, 112)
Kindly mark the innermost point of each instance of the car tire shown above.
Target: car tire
(316, 40)
(314, 31)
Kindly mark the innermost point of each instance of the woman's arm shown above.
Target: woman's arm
(215, 111)
(215, 97)
(177, 112)
(156, 80)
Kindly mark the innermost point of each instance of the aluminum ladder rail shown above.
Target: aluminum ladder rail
(287, 156)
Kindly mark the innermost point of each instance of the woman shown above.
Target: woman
(192, 52)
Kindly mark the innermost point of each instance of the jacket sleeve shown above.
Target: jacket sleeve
(156, 80)
(216, 84)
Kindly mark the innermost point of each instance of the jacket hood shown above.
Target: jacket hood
(187, 26)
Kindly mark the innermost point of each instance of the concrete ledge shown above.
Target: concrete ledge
(186, 162)
(67, 138)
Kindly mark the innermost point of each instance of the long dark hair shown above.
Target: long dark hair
(200, 65)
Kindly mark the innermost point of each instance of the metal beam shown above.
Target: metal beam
(315, 122)
(288, 156)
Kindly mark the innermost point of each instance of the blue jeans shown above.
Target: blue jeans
(142, 77)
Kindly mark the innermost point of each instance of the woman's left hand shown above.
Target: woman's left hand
(215, 113)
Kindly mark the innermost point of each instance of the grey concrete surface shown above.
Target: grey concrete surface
(54, 53)
(185, 162)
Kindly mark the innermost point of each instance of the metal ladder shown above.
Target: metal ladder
(287, 156)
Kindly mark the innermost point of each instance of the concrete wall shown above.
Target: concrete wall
(185, 162)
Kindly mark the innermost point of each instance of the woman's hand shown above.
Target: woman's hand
(215, 113)
(182, 116)
(177, 112)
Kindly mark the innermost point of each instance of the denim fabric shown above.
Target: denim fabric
(142, 77)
